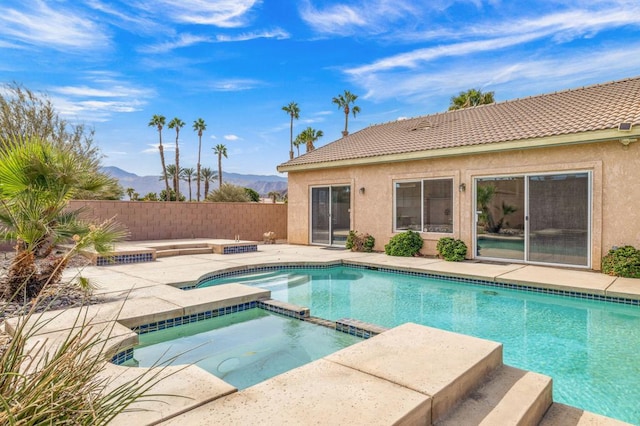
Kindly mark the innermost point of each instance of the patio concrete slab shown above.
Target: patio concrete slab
(109, 339)
(559, 279)
(215, 297)
(437, 363)
(628, 288)
(321, 392)
(144, 311)
(471, 270)
(564, 415)
(177, 389)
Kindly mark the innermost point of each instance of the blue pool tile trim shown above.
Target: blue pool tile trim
(187, 319)
(122, 357)
(240, 249)
(358, 328)
(120, 259)
(562, 293)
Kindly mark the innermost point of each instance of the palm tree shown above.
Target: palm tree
(343, 102)
(38, 179)
(471, 98)
(294, 111)
(130, 192)
(199, 126)
(273, 195)
(158, 122)
(297, 142)
(220, 150)
(207, 176)
(177, 124)
(187, 175)
(172, 173)
(309, 136)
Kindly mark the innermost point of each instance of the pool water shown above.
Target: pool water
(242, 348)
(591, 349)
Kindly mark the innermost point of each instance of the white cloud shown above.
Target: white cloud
(492, 54)
(564, 70)
(232, 137)
(220, 13)
(61, 28)
(105, 94)
(278, 34)
(235, 84)
(183, 40)
(365, 17)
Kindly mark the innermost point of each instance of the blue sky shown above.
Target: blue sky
(113, 64)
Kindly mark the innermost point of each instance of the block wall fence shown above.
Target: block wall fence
(151, 220)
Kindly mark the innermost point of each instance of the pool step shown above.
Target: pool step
(509, 396)
(183, 251)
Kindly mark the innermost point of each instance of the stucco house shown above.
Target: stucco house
(549, 179)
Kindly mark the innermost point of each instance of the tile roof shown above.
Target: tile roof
(587, 109)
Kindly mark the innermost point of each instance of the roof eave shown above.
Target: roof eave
(550, 141)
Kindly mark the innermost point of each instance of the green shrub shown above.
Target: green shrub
(357, 241)
(406, 244)
(622, 262)
(451, 249)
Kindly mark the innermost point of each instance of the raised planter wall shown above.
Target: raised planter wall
(159, 220)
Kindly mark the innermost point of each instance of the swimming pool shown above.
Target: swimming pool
(590, 348)
(243, 348)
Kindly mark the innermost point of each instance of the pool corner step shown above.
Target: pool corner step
(507, 396)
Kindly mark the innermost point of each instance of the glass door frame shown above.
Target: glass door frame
(331, 236)
(526, 176)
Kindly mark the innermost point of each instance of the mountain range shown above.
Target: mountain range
(263, 184)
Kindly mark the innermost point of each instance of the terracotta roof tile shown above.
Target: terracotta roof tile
(591, 108)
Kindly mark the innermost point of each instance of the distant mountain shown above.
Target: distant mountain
(263, 184)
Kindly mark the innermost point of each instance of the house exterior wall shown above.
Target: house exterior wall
(615, 197)
(150, 220)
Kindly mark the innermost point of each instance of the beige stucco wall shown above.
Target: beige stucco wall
(615, 191)
(161, 220)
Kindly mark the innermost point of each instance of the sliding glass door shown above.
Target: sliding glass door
(542, 218)
(559, 219)
(330, 214)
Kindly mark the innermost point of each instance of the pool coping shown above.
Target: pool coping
(542, 288)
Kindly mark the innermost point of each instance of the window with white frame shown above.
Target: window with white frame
(424, 205)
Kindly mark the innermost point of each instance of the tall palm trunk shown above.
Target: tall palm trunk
(291, 138)
(177, 177)
(164, 168)
(198, 166)
(219, 170)
(345, 132)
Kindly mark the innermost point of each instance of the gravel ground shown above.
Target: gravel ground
(59, 296)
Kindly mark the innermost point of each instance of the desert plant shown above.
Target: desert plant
(451, 249)
(38, 179)
(357, 241)
(252, 194)
(229, 193)
(622, 262)
(406, 244)
(56, 384)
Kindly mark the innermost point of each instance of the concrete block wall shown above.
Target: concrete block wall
(159, 220)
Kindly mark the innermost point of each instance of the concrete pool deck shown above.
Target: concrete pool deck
(379, 378)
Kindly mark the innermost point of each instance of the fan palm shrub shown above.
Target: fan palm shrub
(37, 179)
